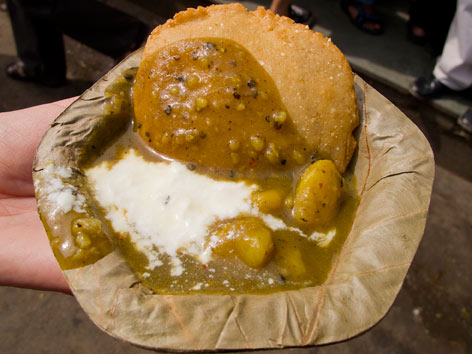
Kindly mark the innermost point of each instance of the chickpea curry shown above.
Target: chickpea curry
(208, 104)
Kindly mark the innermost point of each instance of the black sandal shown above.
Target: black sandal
(362, 17)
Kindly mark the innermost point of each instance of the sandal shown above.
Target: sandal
(300, 15)
(363, 17)
(17, 71)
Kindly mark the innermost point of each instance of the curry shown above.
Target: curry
(208, 100)
(209, 104)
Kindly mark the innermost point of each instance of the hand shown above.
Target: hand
(26, 260)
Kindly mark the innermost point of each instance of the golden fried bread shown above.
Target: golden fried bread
(311, 75)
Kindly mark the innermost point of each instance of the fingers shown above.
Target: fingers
(20, 133)
(26, 259)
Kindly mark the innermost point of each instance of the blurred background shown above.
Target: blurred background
(433, 311)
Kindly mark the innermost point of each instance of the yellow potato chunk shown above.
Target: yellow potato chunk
(249, 239)
(318, 194)
(290, 262)
(255, 247)
(268, 200)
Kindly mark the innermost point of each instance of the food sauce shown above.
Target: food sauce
(210, 105)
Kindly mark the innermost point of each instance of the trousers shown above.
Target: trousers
(38, 26)
(454, 66)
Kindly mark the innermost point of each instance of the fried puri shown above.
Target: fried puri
(221, 86)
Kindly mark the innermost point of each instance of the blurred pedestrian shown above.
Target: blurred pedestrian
(453, 70)
(38, 27)
(362, 15)
(297, 13)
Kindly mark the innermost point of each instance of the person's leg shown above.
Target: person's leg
(454, 67)
(26, 41)
(453, 70)
(39, 44)
(101, 27)
(417, 22)
(51, 51)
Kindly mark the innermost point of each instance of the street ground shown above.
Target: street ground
(433, 311)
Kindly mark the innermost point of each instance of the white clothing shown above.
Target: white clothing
(454, 67)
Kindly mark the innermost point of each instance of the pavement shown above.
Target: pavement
(433, 311)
